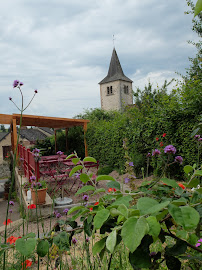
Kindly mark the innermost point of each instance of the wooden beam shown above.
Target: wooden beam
(85, 143)
(6, 119)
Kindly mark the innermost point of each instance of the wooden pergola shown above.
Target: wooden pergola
(42, 121)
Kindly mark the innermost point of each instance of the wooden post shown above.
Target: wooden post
(66, 134)
(55, 141)
(85, 144)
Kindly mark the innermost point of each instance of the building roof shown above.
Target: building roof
(3, 135)
(32, 134)
(47, 130)
(115, 70)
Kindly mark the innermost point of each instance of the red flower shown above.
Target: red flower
(91, 209)
(12, 239)
(181, 185)
(110, 190)
(157, 139)
(27, 263)
(8, 221)
(114, 189)
(161, 144)
(164, 134)
(32, 206)
(96, 203)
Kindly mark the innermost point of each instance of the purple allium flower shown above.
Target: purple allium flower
(85, 198)
(198, 244)
(32, 178)
(10, 211)
(65, 211)
(148, 155)
(15, 83)
(58, 215)
(200, 240)
(197, 136)
(10, 98)
(200, 139)
(35, 91)
(131, 164)
(156, 152)
(74, 241)
(39, 184)
(127, 180)
(11, 203)
(55, 212)
(87, 239)
(170, 149)
(21, 83)
(21, 159)
(179, 159)
(60, 153)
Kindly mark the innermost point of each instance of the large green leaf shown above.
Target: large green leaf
(105, 177)
(100, 218)
(70, 156)
(143, 204)
(198, 172)
(123, 200)
(123, 210)
(42, 248)
(111, 241)
(170, 182)
(99, 246)
(188, 169)
(75, 208)
(133, 231)
(85, 189)
(154, 227)
(198, 7)
(179, 248)
(99, 190)
(25, 246)
(89, 159)
(185, 216)
(84, 178)
(75, 160)
(193, 183)
(150, 206)
(75, 169)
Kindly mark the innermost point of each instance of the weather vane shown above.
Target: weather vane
(113, 40)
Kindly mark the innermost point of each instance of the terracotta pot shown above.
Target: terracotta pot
(39, 196)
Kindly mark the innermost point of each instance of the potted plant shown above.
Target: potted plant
(38, 190)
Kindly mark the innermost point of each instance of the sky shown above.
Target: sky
(63, 49)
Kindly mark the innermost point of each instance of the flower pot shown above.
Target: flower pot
(39, 195)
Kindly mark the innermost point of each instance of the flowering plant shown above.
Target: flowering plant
(40, 184)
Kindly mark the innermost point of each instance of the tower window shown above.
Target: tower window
(125, 88)
(109, 90)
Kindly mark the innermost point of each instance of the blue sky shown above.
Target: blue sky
(63, 49)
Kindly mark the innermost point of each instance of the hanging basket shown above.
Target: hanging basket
(39, 195)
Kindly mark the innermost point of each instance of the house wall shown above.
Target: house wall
(5, 142)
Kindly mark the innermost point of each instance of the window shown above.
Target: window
(125, 88)
(109, 90)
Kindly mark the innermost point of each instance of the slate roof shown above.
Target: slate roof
(115, 70)
(3, 135)
(32, 134)
(48, 130)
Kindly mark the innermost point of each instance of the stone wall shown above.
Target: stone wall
(4, 170)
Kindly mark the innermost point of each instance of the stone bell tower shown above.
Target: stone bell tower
(115, 88)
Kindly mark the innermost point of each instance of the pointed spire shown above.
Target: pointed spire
(115, 70)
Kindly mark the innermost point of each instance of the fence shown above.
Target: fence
(30, 166)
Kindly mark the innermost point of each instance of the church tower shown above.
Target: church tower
(115, 88)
